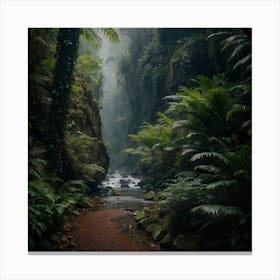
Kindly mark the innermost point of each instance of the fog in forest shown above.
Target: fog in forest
(139, 139)
(117, 112)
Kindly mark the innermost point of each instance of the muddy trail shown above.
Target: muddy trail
(109, 224)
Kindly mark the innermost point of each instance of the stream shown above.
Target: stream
(109, 225)
(129, 193)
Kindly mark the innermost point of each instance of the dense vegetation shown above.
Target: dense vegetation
(175, 109)
(199, 152)
(67, 157)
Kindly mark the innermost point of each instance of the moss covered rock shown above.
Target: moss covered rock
(152, 228)
(159, 233)
(149, 195)
(144, 223)
(86, 154)
(140, 216)
(161, 195)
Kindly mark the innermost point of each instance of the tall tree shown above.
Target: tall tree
(66, 53)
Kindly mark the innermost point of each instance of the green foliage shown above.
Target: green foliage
(217, 210)
(63, 92)
(49, 200)
(238, 44)
(81, 150)
(201, 137)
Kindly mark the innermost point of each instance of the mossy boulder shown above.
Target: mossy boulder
(144, 223)
(167, 219)
(162, 195)
(159, 233)
(152, 228)
(140, 216)
(149, 195)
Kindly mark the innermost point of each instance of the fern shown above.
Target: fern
(213, 155)
(217, 210)
(221, 184)
(208, 168)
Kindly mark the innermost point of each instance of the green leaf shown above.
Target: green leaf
(216, 210)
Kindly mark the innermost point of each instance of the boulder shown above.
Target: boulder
(145, 222)
(159, 233)
(152, 228)
(125, 186)
(149, 195)
(124, 182)
(161, 195)
(140, 215)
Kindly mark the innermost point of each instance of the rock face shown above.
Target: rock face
(87, 157)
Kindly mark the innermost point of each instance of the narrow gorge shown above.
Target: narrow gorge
(139, 139)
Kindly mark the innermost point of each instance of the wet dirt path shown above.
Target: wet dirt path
(109, 230)
(109, 224)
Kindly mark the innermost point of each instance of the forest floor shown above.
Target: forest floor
(105, 227)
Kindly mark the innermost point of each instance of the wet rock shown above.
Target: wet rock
(124, 182)
(144, 223)
(149, 195)
(141, 215)
(140, 184)
(109, 190)
(159, 233)
(125, 186)
(161, 195)
(152, 228)
(167, 219)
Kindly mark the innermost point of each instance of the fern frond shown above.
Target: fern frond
(220, 184)
(216, 210)
(111, 34)
(208, 168)
(247, 59)
(214, 155)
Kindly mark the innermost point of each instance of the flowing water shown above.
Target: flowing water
(111, 227)
(130, 194)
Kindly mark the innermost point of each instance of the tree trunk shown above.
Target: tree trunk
(66, 54)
